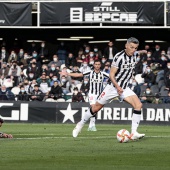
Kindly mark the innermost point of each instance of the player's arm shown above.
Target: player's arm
(113, 71)
(75, 74)
(142, 52)
(4, 135)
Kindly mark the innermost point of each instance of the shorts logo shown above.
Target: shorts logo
(102, 95)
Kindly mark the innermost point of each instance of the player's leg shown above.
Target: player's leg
(92, 101)
(131, 98)
(108, 93)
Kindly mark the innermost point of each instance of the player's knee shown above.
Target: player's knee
(96, 107)
(138, 106)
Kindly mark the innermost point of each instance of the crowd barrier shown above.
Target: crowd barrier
(65, 112)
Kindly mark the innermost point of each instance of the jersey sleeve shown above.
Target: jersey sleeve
(106, 75)
(116, 61)
(86, 73)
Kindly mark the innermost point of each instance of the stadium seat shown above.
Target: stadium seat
(25, 72)
(139, 78)
(69, 100)
(164, 93)
(50, 100)
(155, 89)
(143, 88)
(60, 100)
(161, 83)
(15, 90)
(159, 77)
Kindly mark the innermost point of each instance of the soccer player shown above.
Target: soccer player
(4, 135)
(121, 72)
(96, 78)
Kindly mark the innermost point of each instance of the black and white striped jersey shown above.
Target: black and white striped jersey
(125, 65)
(96, 81)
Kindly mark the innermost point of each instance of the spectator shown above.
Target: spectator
(104, 60)
(62, 53)
(43, 54)
(23, 96)
(15, 72)
(24, 60)
(144, 65)
(167, 73)
(163, 62)
(12, 57)
(54, 78)
(65, 85)
(36, 94)
(55, 61)
(149, 77)
(85, 86)
(76, 80)
(166, 99)
(157, 53)
(97, 52)
(167, 82)
(149, 58)
(31, 76)
(77, 96)
(139, 66)
(147, 96)
(44, 83)
(6, 94)
(33, 68)
(20, 55)
(22, 77)
(110, 51)
(135, 87)
(4, 70)
(4, 55)
(157, 99)
(44, 69)
(32, 48)
(91, 62)
(70, 61)
(26, 85)
(56, 91)
(8, 82)
(4, 135)
(84, 67)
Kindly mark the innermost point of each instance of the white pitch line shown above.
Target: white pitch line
(89, 137)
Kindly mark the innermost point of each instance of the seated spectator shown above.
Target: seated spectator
(84, 67)
(139, 66)
(20, 54)
(85, 86)
(147, 96)
(31, 76)
(65, 85)
(76, 80)
(135, 87)
(44, 68)
(4, 135)
(24, 60)
(12, 57)
(31, 86)
(22, 96)
(21, 78)
(53, 71)
(155, 67)
(77, 96)
(149, 77)
(6, 94)
(8, 81)
(97, 52)
(166, 99)
(70, 61)
(44, 84)
(167, 73)
(26, 85)
(55, 61)
(4, 70)
(157, 99)
(33, 68)
(54, 78)
(91, 62)
(56, 91)
(15, 72)
(36, 94)
(149, 58)
(4, 55)
(167, 83)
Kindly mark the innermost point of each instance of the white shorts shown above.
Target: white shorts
(110, 92)
(92, 98)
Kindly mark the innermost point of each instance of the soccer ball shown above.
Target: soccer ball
(123, 136)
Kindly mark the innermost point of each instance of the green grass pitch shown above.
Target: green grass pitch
(51, 147)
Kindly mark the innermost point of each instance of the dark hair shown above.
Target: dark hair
(1, 120)
(95, 61)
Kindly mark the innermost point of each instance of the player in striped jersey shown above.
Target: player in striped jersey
(121, 72)
(96, 77)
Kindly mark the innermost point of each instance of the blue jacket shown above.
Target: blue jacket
(8, 95)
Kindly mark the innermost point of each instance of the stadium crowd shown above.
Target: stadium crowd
(30, 74)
